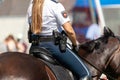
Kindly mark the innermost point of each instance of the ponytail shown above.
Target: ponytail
(37, 8)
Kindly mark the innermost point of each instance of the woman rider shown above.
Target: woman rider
(44, 16)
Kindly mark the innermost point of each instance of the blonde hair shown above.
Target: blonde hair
(37, 8)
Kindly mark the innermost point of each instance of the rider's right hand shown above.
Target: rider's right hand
(75, 48)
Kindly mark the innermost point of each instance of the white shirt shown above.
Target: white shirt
(52, 16)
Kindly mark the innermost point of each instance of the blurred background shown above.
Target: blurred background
(83, 13)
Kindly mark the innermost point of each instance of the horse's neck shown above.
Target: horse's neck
(99, 57)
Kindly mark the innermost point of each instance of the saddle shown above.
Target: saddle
(44, 54)
(58, 69)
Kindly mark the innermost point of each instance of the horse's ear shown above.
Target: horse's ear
(108, 32)
(111, 32)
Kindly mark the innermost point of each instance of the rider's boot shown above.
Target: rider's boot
(86, 78)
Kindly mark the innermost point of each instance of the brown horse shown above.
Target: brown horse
(102, 55)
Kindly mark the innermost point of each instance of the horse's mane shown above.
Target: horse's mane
(90, 46)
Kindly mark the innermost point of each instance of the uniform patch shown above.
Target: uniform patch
(64, 14)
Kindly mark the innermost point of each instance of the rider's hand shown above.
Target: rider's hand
(75, 48)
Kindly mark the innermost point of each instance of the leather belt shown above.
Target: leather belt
(46, 38)
(38, 38)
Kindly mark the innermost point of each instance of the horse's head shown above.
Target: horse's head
(98, 52)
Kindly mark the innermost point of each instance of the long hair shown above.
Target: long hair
(37, 8)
